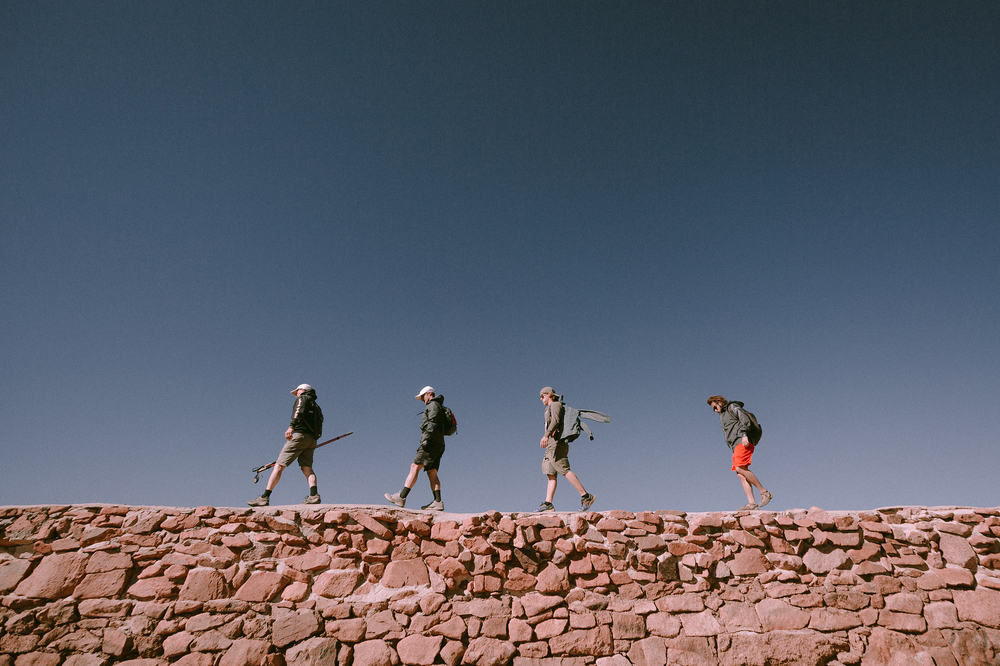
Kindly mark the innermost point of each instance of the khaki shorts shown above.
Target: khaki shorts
(556, 460)
(300, 447)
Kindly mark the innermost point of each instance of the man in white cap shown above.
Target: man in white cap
(428, 453)
(305, 428)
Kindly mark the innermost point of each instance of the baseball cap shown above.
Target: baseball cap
(301, 386)
(426, 389)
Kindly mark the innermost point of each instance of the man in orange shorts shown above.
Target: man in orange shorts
(735, 424)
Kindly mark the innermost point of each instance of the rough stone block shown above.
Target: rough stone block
(55, 576)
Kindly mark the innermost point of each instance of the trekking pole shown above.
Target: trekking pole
(257, 470)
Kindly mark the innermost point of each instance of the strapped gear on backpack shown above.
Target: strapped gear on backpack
(572, 426)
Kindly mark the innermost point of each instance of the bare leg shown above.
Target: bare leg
(550, 490)
(411, 478)
(275, 477)
(310, 476)
(432, 476)
(748, 479)
(572, 478)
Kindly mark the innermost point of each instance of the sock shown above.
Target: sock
(437, 495)
(266, 493)
(313, 490)
(404, 492)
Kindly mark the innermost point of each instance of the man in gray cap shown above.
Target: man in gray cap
(556, 460)
(428, 453)
(305, 428)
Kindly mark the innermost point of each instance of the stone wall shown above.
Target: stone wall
(366, 586)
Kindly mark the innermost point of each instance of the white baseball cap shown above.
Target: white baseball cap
(426, 389)
(300, 387)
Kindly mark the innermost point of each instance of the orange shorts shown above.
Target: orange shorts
(742, 455)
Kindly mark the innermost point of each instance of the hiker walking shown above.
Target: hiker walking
(432, 431)
(737, 427)
(556, 460)
(303, 431)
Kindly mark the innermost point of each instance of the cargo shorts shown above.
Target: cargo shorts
(556, 460)
(300, 447)
(429, 455)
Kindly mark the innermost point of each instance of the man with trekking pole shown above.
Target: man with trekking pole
(305, 428)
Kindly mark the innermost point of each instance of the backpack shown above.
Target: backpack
(572, 426)
(449, 424)
(754, 431)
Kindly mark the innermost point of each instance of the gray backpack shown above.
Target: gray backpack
(572, 426)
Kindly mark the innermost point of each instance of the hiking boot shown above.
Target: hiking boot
(749, 507)
(586, 501)
(546, 506)
(311, 499)
(765, 497)
(396, 499)
(260, 501)
(436, 505)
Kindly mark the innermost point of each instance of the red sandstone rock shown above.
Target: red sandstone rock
(782, 647)
(650, 651)
(292, 627)
(417, 650)
(535, 604)
(11, 573)
(819, 562)
(981, 606)
(739, 617)
(454, 628)
(663, 624)
(832, 619)
(776, 615)
(701, 624)
(204, 585)
(108, 584)
(405, 573)
(177, 644)
(54, 577)
(749, 561)
(245, 652)
(553, 580)
(373, 653)
(488, 652)
(681, 603)
(313, 652)
(38, 659)
(957, 551)
(157, 587)
(596, 642)
(263, 586)
(101, 562)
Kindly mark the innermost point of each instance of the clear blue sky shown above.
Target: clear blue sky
(796, 205)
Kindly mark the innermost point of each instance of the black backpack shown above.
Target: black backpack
(754, 431)
(449, 424)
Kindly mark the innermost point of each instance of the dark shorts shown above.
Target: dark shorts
(300, 447)
(429, 455)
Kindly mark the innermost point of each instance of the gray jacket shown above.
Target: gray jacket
(735, 423)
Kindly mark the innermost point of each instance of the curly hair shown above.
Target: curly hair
(718, 398)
